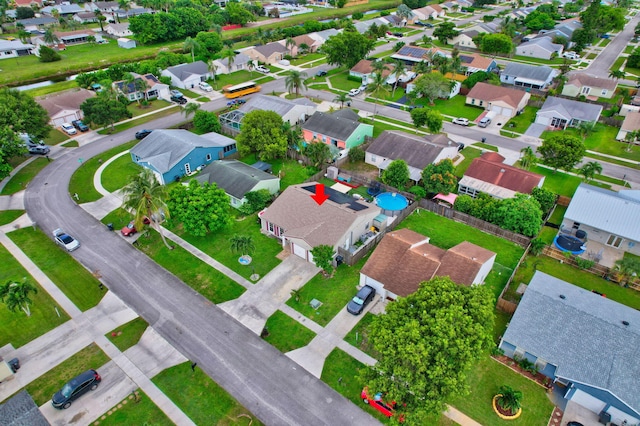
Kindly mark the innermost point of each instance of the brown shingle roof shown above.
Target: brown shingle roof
(491, 93)
(581, 79)
(631, 122)
(304, 39)
(503, 175)
(364, 67)
(68, 100)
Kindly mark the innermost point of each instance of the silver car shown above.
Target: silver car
(65, 240)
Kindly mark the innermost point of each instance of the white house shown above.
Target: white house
(187, 76)
(119, 30)
(240, 62)
(524, 75)
(541, 48)
(14, 48)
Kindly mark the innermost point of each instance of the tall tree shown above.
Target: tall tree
(496, 43)
(317, 153)
(445, 31)
(396, 174)
(146, 197)
(50, 37)
(521, 214)
(399, 69)
(347, 48)
(190, 108)
(562, 151)
(190, 45)
(377, 86)
(342, 98)
(589, 170)
(323, 256)
(242, 244)
(209, 44)
(230, 55)
(528, 158)
(432, 86)
(262, 134)
(294, 80)
(427, 117)
(104, 110)
(439, 178)
(16, 295)
(101, 18)
(202, 208)
(290, 43)
(213, 69)
(404, 12)
(427, 342)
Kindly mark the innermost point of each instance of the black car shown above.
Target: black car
(143, 134)
(321, 73)
(179, 99)
(361, 300)
(80, 125)
(398, 34)
(77, 387)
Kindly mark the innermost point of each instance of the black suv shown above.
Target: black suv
(179, 99)
(361, 300)
(77, 387)
(80, 125)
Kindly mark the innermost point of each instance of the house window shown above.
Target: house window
(576, 225)
(540, 364)
(518, 353)
(373, 158)
(604, 92)
(614, 241)
(187, 168)
(208, 157)
(366, 226)
(271, 227)
(473, 101)
(481, 102)
(586, 90)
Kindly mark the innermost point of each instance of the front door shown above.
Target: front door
(187, 168)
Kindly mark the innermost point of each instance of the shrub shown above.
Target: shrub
(256, 201)
(584, 263)
(357, 16)
(418, 191)
(47, 54)
(356, 154)
(537, 245)
(384, 13)
(399, 45)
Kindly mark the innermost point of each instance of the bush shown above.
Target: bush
(399, 45)
(357, 16)
(537, 245)
(584, 263)
(385, 13)
(256, 201)
(47, 54)
(418, 191)
(206, 122)
(356, 154)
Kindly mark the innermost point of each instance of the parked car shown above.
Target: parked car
(38, 149)
(65, 240)
(321, 73)
(74, 389)
(571, 55)
(80, 125)
(176, 93)
(143, 134)
(130, 229)
(376, 401)
(203, 85)
(68, 129)
(179, 99)
(461, 121)
(460, 146)
(263, 69)
(354, 92)
(398, 34)
(236, 102)
(96, 87)
(360, 301)
(484, 122)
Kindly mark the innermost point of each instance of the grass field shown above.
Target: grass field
(341, 82)
(15, 327)
(127, 334)
(558, 182)
(454, 107)
(287, 334)
(520, 123)
(603, 140)
(70, 276)
(8, 216)
(142, 411)
(21, 179)
(469, 155)
(117, 174)
(201, 398)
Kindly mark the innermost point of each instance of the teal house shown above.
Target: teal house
(340, 129)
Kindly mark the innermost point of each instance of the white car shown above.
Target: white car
(571, 55)
(262, 68)
(65, 240)
(461, 121)
(354, 92)
(68, 129)
(205, 86)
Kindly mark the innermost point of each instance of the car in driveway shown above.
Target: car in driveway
(203, 85)
(68, 128)
(484, 122)
(461, 121)
(179, 99)
(38, 149)
(130, 229)
(360, 301)
(263, 69)
(376, 401)
(65, 240)
(141, 134)
(354, 92)
(78, 124)
(75, 388)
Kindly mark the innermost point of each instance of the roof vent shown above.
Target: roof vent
(502, 170)
(625, 323)
(562, 296)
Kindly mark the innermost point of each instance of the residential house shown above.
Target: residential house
(489, 175)
(269, 53)
(237, 179)
(172, 154)
(563, 29)
(119, 30)
(62, 10)
(474, 62)
(586, 343)
(187, 76)
(404, 259)
(363, 26)
(28, 3)
(630, 124)
(302, 224)
(322, 36)
(412, 55)
(465, 38)
(304, 39)
(541, 48)
(609, 218)
(432, 11)
(529, 76)
(589, 86)
(106, 7)
(391, 20)
(20, 409)
(68, 38)
(128, 13)
(417, 151)
(64, 107)
(240, 62)
(14, 48)
(293, 111)
(145, 86)
(498, 100)
(560, 113)
(36, 25)
(341, 129)
(85, 17)
(364, 70)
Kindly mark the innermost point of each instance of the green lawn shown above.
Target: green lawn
(628, 49)
(334, 293)
(341, 82)
(454, 107)
(558, 215)
(469, 155)
(198, 275)
(558, 182)
(52, 88)
(287, 334)
(117, 174)
(486, 146)
(555, 61)
(71, 277)
(21, 179)
(139, 109)
(8, 216)
(43, 388)
(55, 137)
(603, 140)
(548, 234)
(618, 63)
(82, 179)
(128, 334)
(15, 327)
(290, 171)
(358, 336)
(485, 379)
(71, 144)
(239, 77)
(138, 121)
(520, 123)
(203, 400)
(132, 412)
(306, 58)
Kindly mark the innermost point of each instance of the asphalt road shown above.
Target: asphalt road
(270, 385)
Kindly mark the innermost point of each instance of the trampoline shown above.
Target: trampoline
(391, 201)
(569, 243)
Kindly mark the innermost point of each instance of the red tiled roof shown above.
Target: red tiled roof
(491, 93)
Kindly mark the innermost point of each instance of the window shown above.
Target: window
(208, 157)
(614, 241)
(518, 353)
(187, 168)
(366, 226)
(586, 90)
(540, 364)
(481, 102)
(576, 225)
(271, 227)
(473, 101)
(604, 92)
(373, 158)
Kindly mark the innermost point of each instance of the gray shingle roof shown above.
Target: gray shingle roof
(273, 103)
(532, 72)
(613, 212)
(271, 48)
(20, 410)
(417, 151)
(239, 59)
(234, 177)
(165, 148)
(332, 125)
(574, 109)
(544, 42)
(582, 334)
(184, 71)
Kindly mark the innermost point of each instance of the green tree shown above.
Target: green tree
(210, 43)
(440, 178)
(537, 245)
(399, 68)
(238, 14)
(536, 21)
(190, 45)
(50, 37)
(206, 122)
(404, 11)
(290, 43)
(104, 111)
(294, 80)
(24, 12)
(521, 214)
(347, 48)
(342, 98)
(317, 153)
(496, 43)
(377, 87)
(617, 74)
(356, 154)
(190, 108)
(202, 208)
(396, 174)
(480, 76)
(626, 269)
(255, 201)
(242, 244)
(528, 158)
(262, 134)
(589, 170)
(427, 117)
(230, 55)
(445, 31)
(427, 342)
(432, 86)
(16, 295)
(47, 54)
(545, 197)
(323, 257)
(562, 151)
(101, 19)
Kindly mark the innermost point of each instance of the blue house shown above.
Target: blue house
(172, 154)
(588, 344)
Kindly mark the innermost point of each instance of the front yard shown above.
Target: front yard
(21, 179)
(285, 333)
(520, 123)
(454, 107)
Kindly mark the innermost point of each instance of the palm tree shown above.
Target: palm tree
(379, 66)
(124, 5)
(426, 40)
(509, 399)
(377, 86)
(290, 43)
(630, 138)
(190, 44)
(24, 36)
(585, 128)
(590, 169)
(294, 80)
(404, 11)
(50, 37)
(16, 295)
(626, 269)
(190, 108)
(242, 244)
(303, 48)
(230, 55)
(342, 98)
(101, 18)
(146, 196)
(528, 158)
(456, 62)
(213, 69)
(399, 69)
(617, 74)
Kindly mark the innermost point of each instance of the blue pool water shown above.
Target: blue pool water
(391, 201)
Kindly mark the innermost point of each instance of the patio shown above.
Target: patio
(607, 255)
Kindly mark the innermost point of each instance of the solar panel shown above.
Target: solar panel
(415, 52)
(466, 59)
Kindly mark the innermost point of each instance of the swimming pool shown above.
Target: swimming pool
(391, 201)
(569, 243)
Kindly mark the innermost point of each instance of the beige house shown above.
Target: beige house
(269, 53)
(497, 99)
(312, 44)
(630, 124)
(64, 107)
(589, 86)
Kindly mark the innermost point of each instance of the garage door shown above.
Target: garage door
(376, 285)
(587, 401)
(497, 109)
(299, 251)
(508, 112)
